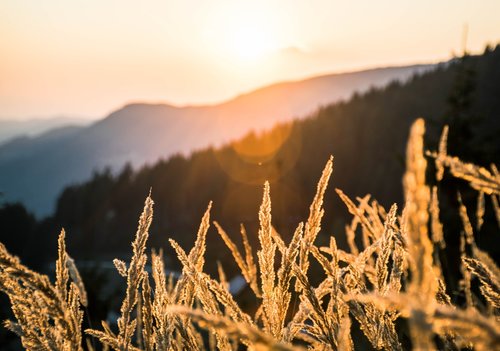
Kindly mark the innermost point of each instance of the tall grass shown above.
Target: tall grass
(391, 278)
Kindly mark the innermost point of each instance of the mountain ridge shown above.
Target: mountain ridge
(11, 129)
(141, 133)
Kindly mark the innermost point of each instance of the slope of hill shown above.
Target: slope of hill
(10, 128)
(35, 170)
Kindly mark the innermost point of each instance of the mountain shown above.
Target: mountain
(36, 169)
(366, 135)
(11, 128)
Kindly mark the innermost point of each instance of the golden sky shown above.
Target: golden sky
(86, 58)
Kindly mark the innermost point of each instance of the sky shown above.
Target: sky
(88, 58)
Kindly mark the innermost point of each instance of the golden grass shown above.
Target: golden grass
(393, 275)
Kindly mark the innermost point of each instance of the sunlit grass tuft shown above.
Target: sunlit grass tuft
(393, 275)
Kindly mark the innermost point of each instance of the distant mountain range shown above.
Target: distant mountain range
(36, 169)
(11, 128)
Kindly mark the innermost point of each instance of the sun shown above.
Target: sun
(250, 43)
(245, 34)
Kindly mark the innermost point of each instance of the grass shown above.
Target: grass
(391, 278)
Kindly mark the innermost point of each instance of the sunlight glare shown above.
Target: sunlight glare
(250, 43)
(245, 33)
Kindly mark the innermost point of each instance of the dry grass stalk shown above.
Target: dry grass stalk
(135, 275)
(480, 211)
(496, 207)
(436, 226)
(247, 265)
(468, 230)
(266, 263)
(77, 280)
(479, 178)
(313, 225)
(358, 213)
(121, 267)
(48, 317)
(252, 335)
(485, 269)
(442, 153)
(201, 291)
(423, 284)
(469, 326)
